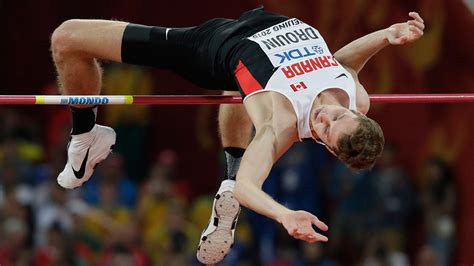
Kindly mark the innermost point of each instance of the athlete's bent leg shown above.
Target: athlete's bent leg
(76, 46)
(235, 130)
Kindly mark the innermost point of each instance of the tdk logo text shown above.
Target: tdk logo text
(298, 53)
(85, 100)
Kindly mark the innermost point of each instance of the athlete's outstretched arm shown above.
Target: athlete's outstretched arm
(355, 54)
(258, 159)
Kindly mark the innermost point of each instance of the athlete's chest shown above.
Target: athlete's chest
(300, 57)
(275, 110)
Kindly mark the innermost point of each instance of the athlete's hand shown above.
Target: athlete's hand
(410, 31)
(299, 225)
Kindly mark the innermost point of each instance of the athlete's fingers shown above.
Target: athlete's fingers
(318, 237)
(416, 30)
(417, 24)
(416, 16)
(310, 239)
(319, 223)
(306, 237)
(311, 236)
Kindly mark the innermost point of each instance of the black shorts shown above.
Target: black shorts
(206, 55)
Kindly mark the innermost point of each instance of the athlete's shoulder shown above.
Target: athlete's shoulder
(362, 97)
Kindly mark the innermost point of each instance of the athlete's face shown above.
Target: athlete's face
(331, 122)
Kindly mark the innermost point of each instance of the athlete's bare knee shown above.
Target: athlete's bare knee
(63, 38)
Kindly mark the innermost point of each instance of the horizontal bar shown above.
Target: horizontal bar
(423, 98)
(209, 99)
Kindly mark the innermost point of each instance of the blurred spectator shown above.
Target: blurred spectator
(375, 202)
(56, 250)
(162, 174)
(298, 174)
(395, 199)
(313, 255)
(51, 206)
(438, 202)
(121, 255)
(13, 243)
(171, 243)
(109, 216)
(378, 253)
(285, 249)
(174, 239)
(352, 197)
(19, 125)
(427, 257)
(16, 158)
(156, 197)
(111, 172)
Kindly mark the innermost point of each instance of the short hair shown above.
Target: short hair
(361, 149)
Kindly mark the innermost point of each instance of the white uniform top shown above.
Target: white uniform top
(304, 67)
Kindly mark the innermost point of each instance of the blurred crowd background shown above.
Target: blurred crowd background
(148, 202)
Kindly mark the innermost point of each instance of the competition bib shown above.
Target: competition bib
(290, 41)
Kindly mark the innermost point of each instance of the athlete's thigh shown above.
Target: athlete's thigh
(97, 38)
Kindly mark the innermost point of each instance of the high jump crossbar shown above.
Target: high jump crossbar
(209, 99)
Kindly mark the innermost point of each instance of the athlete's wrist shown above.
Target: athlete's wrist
(385, 33)
(391, 33)
(281, 214)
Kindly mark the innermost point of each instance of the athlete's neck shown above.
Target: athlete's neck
(330, 97)
(333, 96)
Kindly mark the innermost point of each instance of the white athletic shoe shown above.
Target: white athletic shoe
(218, 237)
(84, 152)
